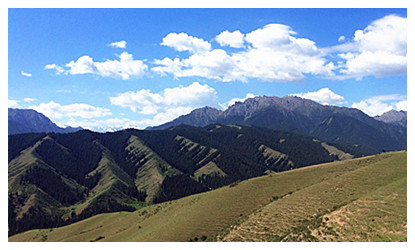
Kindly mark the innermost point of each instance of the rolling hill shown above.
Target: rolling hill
(362, 199)
(57, 179)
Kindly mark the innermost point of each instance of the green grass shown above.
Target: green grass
(310, 214)
(327, 202)
(335, 151)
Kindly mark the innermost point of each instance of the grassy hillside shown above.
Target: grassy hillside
(57, 179)
(361, 199)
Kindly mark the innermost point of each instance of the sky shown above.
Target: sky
(111, 69)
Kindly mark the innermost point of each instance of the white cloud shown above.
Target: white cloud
(145, 102)
(324, 96)
(29, 99)
(55, 110)
(84, 65)
(378, 105)
(124, 68)
(184, 42)
(142, 100)
(270, 36)
(234, 100)
(273, 55)
(233, 39)
(385, 34)
(120, 44)
(402, 105)
(59, 70)
(378, 64)
(214, 64)
(26, 74)
(114, 124)
(195, 94)
(13, 104)
(379, 50)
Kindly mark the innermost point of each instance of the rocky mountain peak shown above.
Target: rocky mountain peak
(393, 116)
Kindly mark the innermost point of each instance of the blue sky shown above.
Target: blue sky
(108, 69)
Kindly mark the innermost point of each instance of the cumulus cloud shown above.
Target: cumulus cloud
(378, 64)
(120, 44)
(184, 42)
(379, 50)
(233, 39)
(378, 105)
(402, 105)
(145, 102)
(55, 110)
(26, 74)
(324, 96)
(271, 36)
(13, 104)
(272, 54)
(215, 64)
(59, 70)
(124, 68)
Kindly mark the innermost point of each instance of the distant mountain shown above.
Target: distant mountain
(393, 117)
(198, 117)
(294, 114)
(55, 179)
(31, 121)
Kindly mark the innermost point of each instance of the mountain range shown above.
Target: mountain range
(56, 178)
(297, 115)
(30, 121)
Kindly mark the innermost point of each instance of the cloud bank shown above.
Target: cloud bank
(378, 105)
(178, 100)
(55, 110)
(274, 53)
